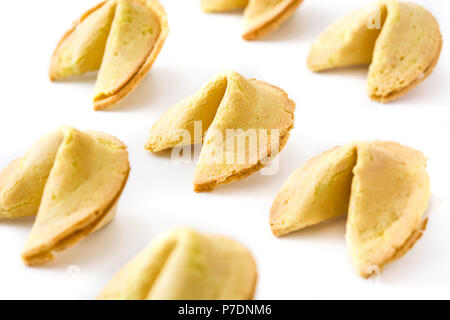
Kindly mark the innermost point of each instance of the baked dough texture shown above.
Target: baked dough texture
(382, 186)
(119, 38)
(231, 109)
(183, 264)
(400, 41)
(260, 16)
(71, 180)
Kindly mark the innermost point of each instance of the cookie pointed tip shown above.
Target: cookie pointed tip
(99, 105)
(249, 37)
(203, 187)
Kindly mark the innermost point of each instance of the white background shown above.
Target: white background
(332, 109)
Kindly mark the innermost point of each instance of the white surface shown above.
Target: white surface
(332, 108)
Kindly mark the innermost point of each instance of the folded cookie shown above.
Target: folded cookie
(72, 181)
(260, 16)
(247, 123)
(185, 265)
(382, 186)
(401, 42)
(120, 38)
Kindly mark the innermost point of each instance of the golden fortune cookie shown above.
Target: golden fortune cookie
(71, 180)
(400, 41)
(119, 38)
(383, 187)
(246, 123)
(183, 264)
(260, 16)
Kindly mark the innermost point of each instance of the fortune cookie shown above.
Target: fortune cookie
(186, 265)
(383, 187)
(120, 38)
(400, 41)
(260, 16)
(247, 123)
(72, 181)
